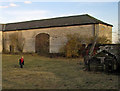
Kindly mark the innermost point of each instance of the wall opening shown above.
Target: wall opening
(42, 43)
(11, 49)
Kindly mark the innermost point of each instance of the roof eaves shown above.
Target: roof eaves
(101, 22)
(49, 27)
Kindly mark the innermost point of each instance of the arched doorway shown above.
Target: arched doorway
(42, 43)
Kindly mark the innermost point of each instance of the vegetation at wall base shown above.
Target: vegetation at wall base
(76, 44)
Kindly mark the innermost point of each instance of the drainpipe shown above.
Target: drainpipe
(3, 29)
(94, 30)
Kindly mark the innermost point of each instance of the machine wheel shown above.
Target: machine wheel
(93, 65)
(110, 65)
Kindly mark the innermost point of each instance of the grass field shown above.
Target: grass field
(52, 73)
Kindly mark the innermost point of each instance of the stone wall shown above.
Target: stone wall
(105, 30)
(0, 41)
(57, 36)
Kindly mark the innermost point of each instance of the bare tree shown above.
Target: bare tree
(20, 42)
(17, 42)
(13, 42)
(101, 40)
(74, 45)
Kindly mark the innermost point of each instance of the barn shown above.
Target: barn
(1, 38)
(49, 35)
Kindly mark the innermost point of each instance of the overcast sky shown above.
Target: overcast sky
(29, 10)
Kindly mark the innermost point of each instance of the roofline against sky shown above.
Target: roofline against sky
(97, 21)
(59, 17)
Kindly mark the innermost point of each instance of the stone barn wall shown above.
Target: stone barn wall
(6, 39)
(105, 30)
(57, 36)
(0, 41)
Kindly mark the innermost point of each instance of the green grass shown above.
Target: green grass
(52, 73)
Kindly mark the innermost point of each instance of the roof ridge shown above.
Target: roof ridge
(56, 22)
(49, 18)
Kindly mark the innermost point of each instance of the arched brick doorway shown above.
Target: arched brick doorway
(42, 43)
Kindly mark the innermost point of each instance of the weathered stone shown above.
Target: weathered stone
(57, 35)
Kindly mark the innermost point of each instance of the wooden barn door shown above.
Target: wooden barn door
(42, 43)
